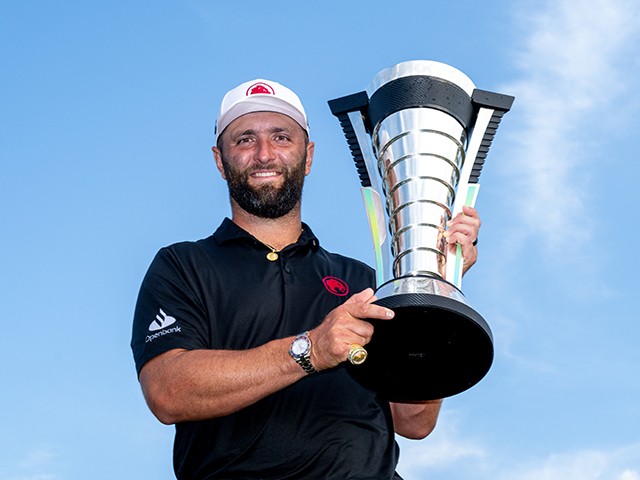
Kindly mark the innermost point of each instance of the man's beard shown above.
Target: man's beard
(266, 201)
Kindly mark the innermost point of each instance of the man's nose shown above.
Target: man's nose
(265, 152)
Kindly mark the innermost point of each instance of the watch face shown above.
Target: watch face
(300, 346)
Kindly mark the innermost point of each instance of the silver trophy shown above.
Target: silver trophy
(419, 136)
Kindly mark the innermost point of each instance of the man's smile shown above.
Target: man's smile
(263, 174)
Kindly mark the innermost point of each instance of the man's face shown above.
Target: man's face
(264, 157)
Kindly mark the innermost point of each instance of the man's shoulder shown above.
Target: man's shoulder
(201, 246)
(185, 252)
(188, 246)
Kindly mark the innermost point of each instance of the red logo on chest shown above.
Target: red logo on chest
(336, 286)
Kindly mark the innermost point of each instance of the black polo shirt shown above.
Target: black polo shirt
(223, 293)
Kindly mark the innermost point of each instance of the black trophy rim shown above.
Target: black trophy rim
(435, 347)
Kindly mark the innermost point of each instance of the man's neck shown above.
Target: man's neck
(275, 232)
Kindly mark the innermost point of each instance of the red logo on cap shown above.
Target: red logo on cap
(260, 88)
(336, 286)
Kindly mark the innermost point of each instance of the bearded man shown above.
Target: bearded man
(240, 339)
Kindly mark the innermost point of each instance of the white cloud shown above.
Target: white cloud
(613, 464)
(36, 458)
(443, 449)
(574, 61)
(630, 475)
(451, 453)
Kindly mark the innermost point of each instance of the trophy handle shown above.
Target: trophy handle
(374, 206)
(492, 106)
(351, 112)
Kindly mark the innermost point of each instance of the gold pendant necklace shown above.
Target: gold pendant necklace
(272, 256)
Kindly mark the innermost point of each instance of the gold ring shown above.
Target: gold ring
(357, 354)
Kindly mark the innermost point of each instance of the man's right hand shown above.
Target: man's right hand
(344, 326)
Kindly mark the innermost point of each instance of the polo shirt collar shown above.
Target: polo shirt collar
(230, 232)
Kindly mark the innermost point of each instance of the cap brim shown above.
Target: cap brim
(260, 103)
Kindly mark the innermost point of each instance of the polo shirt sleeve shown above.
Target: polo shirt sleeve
(168, 313)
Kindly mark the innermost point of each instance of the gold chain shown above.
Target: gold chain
(272, 256)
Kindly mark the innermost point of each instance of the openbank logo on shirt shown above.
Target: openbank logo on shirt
(160, 324)
(161, 321)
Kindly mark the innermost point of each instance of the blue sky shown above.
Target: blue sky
(106, 123)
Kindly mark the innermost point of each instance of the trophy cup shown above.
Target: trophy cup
(419, 136)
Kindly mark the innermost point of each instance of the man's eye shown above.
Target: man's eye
(282, 138)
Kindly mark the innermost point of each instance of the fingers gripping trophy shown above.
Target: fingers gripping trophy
(419, 136)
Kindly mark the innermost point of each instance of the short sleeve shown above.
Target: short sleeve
(168, 314)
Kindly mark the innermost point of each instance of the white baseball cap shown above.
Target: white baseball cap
(260, 96)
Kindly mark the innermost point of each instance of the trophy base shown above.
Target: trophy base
(434, 347)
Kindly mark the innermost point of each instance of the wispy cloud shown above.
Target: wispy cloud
(36, 458)
(444, 449)
(448, 453)
(574, 61)
(614, 464)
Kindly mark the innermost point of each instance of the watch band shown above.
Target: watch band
(305, 363)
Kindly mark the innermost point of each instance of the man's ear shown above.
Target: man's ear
(310, 149)
(218, 158)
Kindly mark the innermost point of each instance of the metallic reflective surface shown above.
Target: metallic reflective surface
(420, 154)
(420, 285)
(357, 354)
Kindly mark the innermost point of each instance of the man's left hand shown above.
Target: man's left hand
(463, 230)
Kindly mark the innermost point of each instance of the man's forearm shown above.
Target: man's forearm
(415, 420)
(188, 385)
